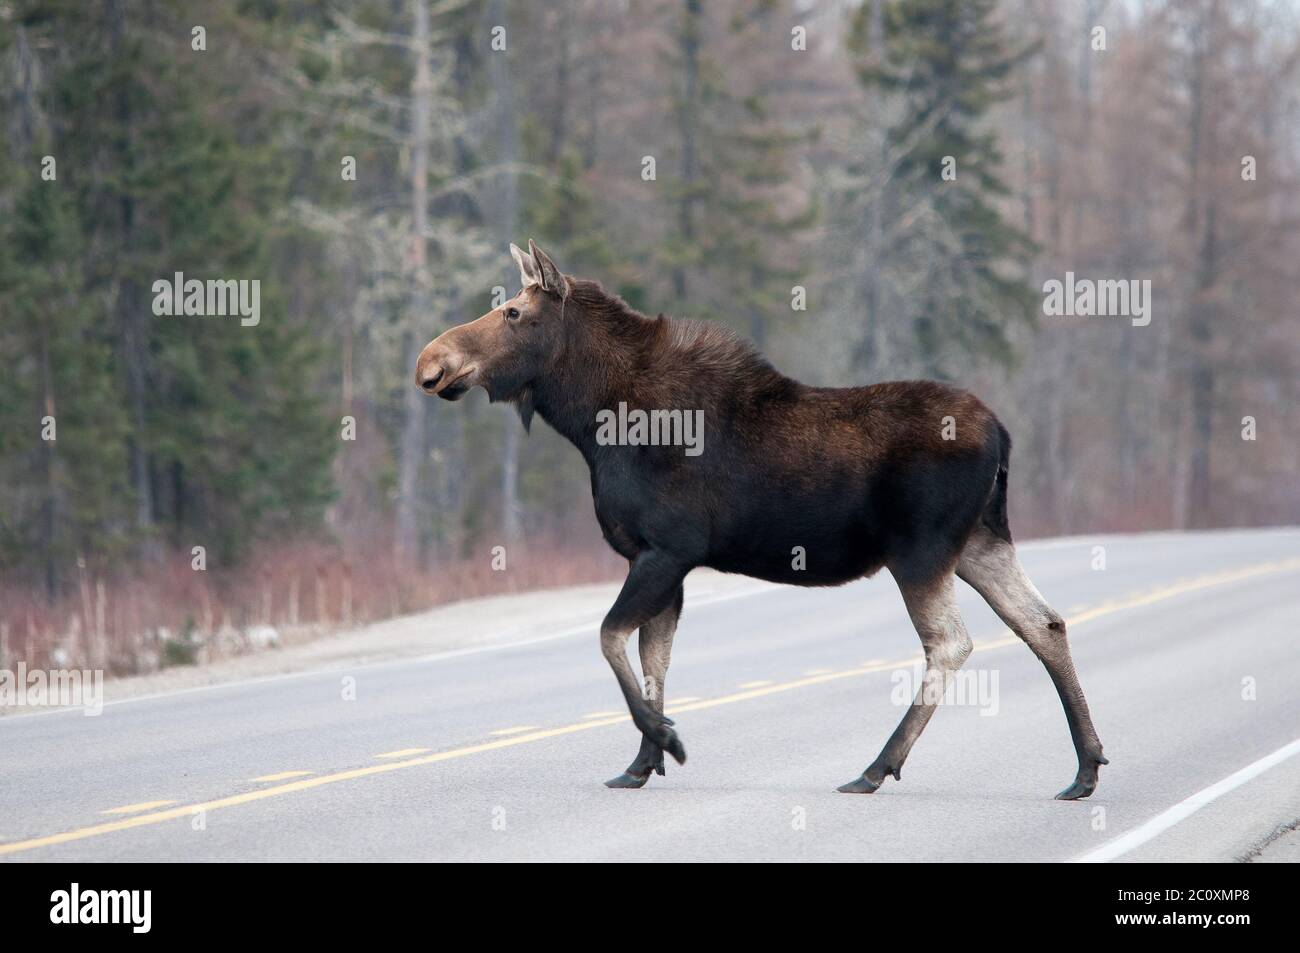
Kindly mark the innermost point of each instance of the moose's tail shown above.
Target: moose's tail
(995, 510)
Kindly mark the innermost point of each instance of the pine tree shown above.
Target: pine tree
(733, 247)
(940, 263)
(61, 426)
(223, 443)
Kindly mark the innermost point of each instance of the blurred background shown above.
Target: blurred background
(770, 164)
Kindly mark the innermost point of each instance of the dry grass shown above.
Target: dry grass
(168, 613)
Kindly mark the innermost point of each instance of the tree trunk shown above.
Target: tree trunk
(687, 120)
(411, 449)
(50, 516)
(1201, 230)
(876, 359)
(506, 213)
(560, 121)
(132, 319)
(1202, 379)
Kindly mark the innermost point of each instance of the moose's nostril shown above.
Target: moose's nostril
(429, 383)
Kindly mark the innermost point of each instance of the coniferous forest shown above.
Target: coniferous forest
(867, 189)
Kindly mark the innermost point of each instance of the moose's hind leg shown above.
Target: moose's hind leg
(933, 610)
(655, 642)
(990, 565)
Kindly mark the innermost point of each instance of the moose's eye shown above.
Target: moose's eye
(512, 314)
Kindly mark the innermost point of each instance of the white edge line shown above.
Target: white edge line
(1186, 808)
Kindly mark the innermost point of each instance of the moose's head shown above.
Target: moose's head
(508, 348)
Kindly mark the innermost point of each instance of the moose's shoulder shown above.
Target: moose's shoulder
(708, 345)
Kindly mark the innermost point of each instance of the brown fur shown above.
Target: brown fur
(853, 478)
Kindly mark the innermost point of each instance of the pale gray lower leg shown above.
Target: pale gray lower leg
(655, 645)
(991, 567)
(933, 610)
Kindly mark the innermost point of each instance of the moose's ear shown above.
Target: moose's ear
(551, 279)
(528, 274)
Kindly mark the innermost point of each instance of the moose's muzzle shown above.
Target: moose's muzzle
(441, 370)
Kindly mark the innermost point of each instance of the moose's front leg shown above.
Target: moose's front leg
(655, 642)
(651, 588)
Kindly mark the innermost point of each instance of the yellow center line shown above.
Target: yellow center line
(402, 753)
(517, 730)
(307, 784)
(282, 776)
(137, 808)
(756, 684)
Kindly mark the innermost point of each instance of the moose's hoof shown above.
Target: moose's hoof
(673, 745)
(1076, 791)
(638, 773)
(859, 785)
(628, 781)
(1085, 782)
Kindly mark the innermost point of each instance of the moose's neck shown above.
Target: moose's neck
(599, 368)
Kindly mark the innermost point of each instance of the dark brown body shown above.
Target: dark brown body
(794, 484)
(855, 477)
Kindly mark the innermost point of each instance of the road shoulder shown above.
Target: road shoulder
(470, 625)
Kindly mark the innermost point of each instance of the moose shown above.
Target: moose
(908, 476)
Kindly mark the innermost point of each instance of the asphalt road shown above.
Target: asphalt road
(1188, 647)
